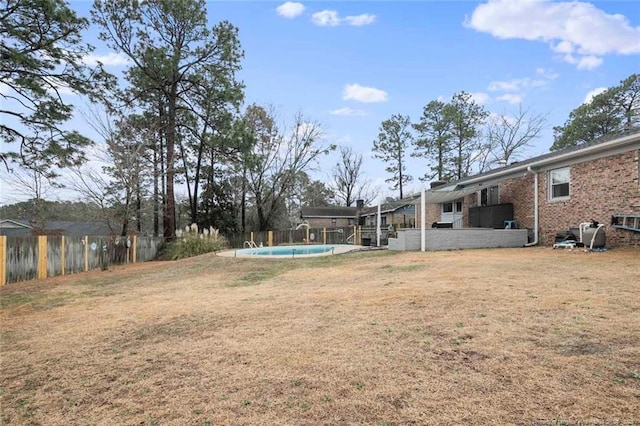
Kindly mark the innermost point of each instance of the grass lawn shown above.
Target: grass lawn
(501, 336)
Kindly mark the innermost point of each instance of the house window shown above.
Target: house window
(454, 207)
(334, 221)
(559, 183)
(349, 221)
(383, 220)
(489, 196)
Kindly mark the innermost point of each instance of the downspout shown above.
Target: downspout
(535, 208)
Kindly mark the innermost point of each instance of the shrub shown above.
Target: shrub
(191, 243)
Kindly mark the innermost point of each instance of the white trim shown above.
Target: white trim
(550, 197)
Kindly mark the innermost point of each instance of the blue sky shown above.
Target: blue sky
(350, 65)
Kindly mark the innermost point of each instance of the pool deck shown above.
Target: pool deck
(338, 249)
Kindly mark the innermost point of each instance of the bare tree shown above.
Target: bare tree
(347, 179)
(508, 134)
(118, 186)
(35, 179)
(277, 160)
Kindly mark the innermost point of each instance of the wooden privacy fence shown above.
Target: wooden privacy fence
(37, 257)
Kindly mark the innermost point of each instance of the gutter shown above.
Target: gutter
(535, 208)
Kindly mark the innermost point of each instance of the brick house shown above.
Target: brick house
(557, 191)
(329, 217)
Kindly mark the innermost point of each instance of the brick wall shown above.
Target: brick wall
(598, 189)
(433, 212)
(454, 239)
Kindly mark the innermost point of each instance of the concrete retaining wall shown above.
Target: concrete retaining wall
(452, 239)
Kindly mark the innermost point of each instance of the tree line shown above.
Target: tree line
(177, 117)
(459, 137)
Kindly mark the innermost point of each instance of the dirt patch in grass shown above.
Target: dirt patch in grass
(502, 336)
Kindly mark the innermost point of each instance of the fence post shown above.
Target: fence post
(355, 234)
(86, 253)
(324, 236)
(251, 239)
(135, 248)
(42, 257)
(3, 260)
(270, 238)
(63, 255)
(308, 234)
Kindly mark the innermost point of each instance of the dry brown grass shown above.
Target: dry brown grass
(503, 336)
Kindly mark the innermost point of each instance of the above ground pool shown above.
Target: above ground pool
(292, 251)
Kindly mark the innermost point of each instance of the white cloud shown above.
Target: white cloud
(584, 62)
(517, 84)
(346, 111)
(589, 62)
(290, 9)
(546, 74)
(360, 20)
(326, 18)
(579, 32)
(109, 59)
(360, 93)
(504, 86)
(514, 90)
(480, 98)
(330, 18)
(593, 93)
(512, 98)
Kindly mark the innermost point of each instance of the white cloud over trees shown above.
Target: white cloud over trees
(577, 32)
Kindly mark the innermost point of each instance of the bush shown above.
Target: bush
(193, 246)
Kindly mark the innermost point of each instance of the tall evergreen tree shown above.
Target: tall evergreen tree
(391, 147)
(434, 140)
(42, 55)
(612, 111)
(172, 51)
(465, 117)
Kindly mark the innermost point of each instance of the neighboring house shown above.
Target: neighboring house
(19, 228)
(551, 193)
(329, 217)
(400, 213)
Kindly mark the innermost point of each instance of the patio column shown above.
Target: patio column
(423, 220)
(379, 222)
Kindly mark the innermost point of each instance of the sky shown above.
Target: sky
(351, 65)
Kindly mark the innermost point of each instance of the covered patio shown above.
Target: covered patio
(460, 233)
